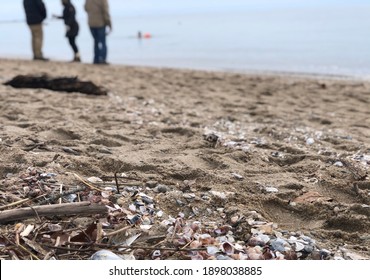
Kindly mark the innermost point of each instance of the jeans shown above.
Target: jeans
(100, 46)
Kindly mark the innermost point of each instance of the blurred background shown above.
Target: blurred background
(317, 37)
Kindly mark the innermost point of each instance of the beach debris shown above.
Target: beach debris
(105, 255)
(310, 141)
(338, 163)
(310, 197)
(237, 176)
(137, 223)
(211, 137)
(63, 84)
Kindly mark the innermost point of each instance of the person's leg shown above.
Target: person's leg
(102, 45)
(37, 38)
(72, 42)
(94, 33)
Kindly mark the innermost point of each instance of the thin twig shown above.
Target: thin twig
(28, 252)
(118, 231)
(60, 193)
(87, 183)
(20, 202)
(117, 185)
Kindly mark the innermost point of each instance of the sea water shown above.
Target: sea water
(316, 37)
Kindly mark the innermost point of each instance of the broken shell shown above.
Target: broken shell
(195, 244)
(105, 255)
(211, 137)
(94, 180)
(310, 141)
(271, 189)
(54, 227)
(146, 227)
(237, 176)
(298, 246)
(222, 230)
(278, 245)
(212, 250)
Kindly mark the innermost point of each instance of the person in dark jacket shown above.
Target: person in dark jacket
(69, 17)
(35, 15)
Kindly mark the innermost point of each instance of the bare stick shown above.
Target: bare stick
(82, 208)
(87, 183)
(118, 231)
(115, 178)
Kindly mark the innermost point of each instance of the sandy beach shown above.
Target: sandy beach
(296, 150)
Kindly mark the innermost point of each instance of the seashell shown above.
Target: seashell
(242, 256)
(308, 249)
(132, 207)
(223, 258)
(267, 228)
(271, 189)
(222, 230)
(338, 163)
(146, 221)
(160, 213)
(54, 227)
(227, 248)
(105, 255)
(197, 257)
(298, 246)
(151, 184)
(256, 241)
(188, 195)
(278, 245)
(237, 176)
(324, 254)
(290, 255)
(146, 227)
(254, 253)
(160, 189)
(195, 244)
(279, 256)
(94, 180)
(195, 226)
(234, 219)
(156, 254)
(310, 141)
(106, 194)
(212, 250)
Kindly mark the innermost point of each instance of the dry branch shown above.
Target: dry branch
(80, 208)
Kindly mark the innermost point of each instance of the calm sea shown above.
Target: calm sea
(318, 37)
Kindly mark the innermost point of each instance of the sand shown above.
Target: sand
(295, 149)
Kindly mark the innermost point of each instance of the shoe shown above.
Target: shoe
(76, 59)
(41, 58)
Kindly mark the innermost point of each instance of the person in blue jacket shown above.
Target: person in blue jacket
(69, 17)
(35, 15)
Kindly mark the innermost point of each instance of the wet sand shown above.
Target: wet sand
(296, 150)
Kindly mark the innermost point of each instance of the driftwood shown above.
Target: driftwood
(80, 208)
(65, 84)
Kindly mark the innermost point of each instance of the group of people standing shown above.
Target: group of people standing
(98, 19)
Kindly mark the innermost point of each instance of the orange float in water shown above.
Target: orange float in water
(147, 35)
